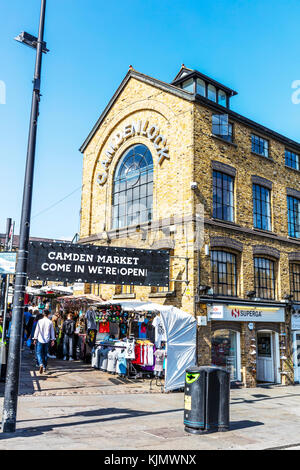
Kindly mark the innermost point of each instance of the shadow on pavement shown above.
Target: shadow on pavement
(119, 413)
(235, 425)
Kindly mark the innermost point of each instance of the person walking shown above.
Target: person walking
(43, 335)
(37, 316)
(68, 331)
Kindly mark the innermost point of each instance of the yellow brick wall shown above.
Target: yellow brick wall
(172, 195)
(187, 127)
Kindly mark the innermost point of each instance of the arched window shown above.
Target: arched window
(133, 188)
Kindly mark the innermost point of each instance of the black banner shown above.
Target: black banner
(98, 264)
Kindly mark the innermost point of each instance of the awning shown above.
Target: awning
(57, 289)
(84, 298)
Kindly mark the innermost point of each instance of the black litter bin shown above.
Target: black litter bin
(206, 400)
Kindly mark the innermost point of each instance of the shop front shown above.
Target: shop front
(295, 326)
(245, 339)
(225, 351)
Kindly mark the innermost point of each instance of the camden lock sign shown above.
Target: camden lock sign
(98, 264)
(142, 128)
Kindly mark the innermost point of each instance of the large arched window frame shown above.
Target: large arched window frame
(132, 193)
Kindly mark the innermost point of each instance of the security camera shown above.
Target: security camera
(194, 185)
(251, 293)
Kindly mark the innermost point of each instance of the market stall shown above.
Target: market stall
(144, 339)
(39, 296)
(85, 334)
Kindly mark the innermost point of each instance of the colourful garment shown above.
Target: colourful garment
(104, 327)
(121, 368)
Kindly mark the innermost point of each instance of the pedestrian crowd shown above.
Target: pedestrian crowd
(48, 335)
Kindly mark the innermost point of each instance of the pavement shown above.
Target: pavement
(75, 407)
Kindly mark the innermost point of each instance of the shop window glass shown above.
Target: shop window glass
(224, 278)
(298, 350)
(133, 188)
(264, 278)
(224, 351)
(200, 87)
(261, 207)
(264, 345)
(293, 216)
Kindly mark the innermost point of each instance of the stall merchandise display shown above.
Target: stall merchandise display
(125, 342)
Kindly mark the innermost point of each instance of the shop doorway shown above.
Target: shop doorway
(296, 351)
(266, 357)
(225, 352)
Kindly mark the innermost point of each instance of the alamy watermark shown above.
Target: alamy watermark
(185, 227)
(296, 93)
(2, 92)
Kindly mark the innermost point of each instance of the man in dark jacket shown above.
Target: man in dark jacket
(68, 330)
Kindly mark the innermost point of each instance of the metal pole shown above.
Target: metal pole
(14, 356)
(9, 247)
(4, 277)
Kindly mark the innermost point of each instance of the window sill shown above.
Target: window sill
(124, 296)
(223, 140)
(294, 238)
(291, 168)
(265, 231)
(162, 294)
(269, 159)
(226, 222)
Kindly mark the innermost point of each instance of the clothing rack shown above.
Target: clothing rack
(110, 345)
(132, 371)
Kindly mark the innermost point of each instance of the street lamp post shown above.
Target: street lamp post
(14, 355)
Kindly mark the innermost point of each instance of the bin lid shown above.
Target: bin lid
(193, 370)
(208, 369)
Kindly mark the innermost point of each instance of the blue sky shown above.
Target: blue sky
(251, 46)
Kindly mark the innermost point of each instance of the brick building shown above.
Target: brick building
(172, 166)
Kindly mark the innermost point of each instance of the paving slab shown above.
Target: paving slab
(76, 407)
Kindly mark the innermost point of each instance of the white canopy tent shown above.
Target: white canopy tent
(31, 290)
(181, 333)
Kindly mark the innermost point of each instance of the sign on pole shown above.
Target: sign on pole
(99, 264)
(7, 262)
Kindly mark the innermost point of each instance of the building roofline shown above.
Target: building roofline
(144, 78)
(195, 73)
(31, 239)
(248, 122)
(170, 88)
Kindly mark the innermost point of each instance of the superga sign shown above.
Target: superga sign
(246, 313)
(142, 128)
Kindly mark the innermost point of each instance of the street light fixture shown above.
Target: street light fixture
(31, 41)
(14, 355)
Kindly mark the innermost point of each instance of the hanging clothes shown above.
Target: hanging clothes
(112, 361)
(160, 334)
(121, 367)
